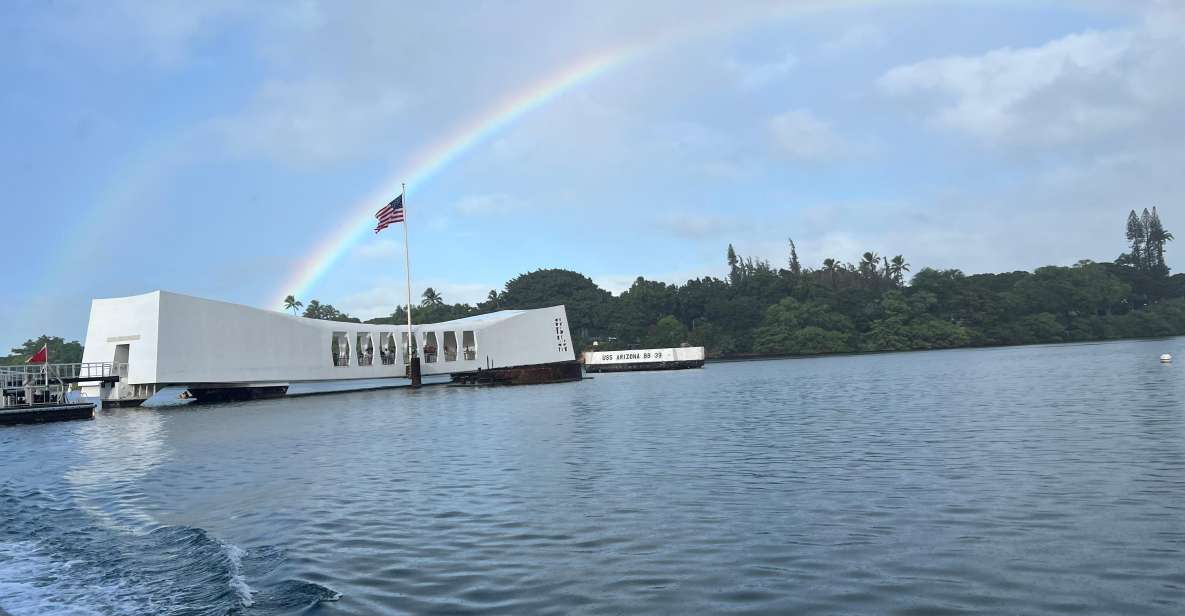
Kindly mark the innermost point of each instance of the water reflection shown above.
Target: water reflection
(117, 454)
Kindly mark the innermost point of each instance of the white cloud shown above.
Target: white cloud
(381, 299)
(1079, 87)
(803, 136)
(313, 121)
(689, 225)
(620, 283)
(163, 32)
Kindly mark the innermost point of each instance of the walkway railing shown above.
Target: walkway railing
(38, 383)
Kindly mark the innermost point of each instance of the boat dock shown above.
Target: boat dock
(34, 393)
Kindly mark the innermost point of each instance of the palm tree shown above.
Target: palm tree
(868, 267)
(432, 298)
(831, 266)
(293, 304)
(898, 266)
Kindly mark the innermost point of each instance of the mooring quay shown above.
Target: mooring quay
(34, 393)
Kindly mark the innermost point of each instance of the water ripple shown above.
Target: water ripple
(1037, 480)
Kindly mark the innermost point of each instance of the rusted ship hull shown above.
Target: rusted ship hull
(639, 367)
(556, 372)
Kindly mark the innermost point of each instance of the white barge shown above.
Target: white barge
(644, 359)
(223, 351)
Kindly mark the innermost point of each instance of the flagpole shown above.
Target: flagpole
(413, 363)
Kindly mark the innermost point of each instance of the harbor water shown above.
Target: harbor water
(1036, 480)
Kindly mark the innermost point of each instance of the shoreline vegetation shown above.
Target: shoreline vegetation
(760, 311)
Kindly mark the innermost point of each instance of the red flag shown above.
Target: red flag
(39, 357)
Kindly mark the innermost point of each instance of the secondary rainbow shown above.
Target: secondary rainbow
(432, 159)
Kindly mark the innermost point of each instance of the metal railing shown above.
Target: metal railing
(28, 384)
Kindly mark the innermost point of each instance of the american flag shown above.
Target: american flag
(390, 214)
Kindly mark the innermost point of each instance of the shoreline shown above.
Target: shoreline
(767, 356)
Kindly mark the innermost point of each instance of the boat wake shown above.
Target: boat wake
(57, 559)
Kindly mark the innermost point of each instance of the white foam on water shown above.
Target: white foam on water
(238, 583)
(32, 584)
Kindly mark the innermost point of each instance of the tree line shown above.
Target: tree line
(837, 307)
(866, 305)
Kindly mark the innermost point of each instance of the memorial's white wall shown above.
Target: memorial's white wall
(179, 339)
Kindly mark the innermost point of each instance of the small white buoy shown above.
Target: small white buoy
(1166, 359)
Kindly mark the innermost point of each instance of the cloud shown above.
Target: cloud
(381, 299)
(620, 283)
(163, 32)
(802, 136)
(757, 75)
(688, 225)
(1073, 89)
(313, 120)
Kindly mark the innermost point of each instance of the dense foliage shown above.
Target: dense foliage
(60, 351)
(317, 310)
(865, 306)
(839, 307)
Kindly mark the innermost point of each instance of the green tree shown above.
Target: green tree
(638, 308)
(831, 267)
(733, 265)
(293, 304)
(897, 268)
(326, 312)
(907, 323)
(589, 306)
(803, 328)
(868, 269)
(431, 298)
(60, 351)
(492, 302)
(667, 332)
(1136, 234)
(795, 265)
(1156, 236)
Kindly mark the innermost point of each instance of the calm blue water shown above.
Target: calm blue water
(1038, 480)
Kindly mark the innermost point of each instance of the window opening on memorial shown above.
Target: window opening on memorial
(430, 347)
(469, 345)
(450, 346)
(415, 341)
(339, 347)
(365, 349)
(388, 351)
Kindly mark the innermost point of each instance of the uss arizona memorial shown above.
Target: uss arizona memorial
(220, 350)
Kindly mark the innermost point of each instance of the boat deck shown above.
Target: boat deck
(39, 413)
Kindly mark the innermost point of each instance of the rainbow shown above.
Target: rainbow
(432, 159)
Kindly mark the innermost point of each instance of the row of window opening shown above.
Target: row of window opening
(390, 351)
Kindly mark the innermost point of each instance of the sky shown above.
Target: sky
(234, 150)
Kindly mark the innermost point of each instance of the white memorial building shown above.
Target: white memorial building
(214, 348)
